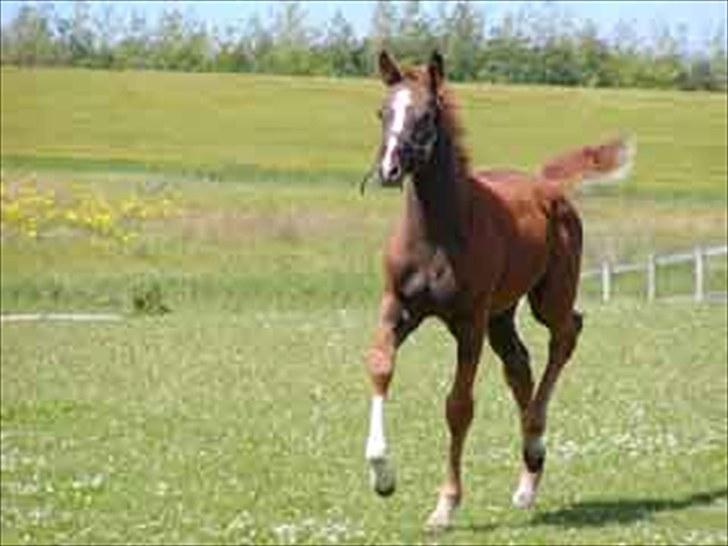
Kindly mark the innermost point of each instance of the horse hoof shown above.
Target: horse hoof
(441, 517)
(525, 495)
(437, 522)
(523, 499)
(382, 477)
(385, 491)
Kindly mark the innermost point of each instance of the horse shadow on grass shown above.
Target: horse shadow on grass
(597, 513)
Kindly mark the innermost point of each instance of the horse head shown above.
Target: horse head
(409, 115)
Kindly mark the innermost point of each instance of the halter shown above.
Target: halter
(416, 148)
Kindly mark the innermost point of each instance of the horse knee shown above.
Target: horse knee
(381, 366)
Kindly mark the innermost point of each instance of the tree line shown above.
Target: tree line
(536, 45)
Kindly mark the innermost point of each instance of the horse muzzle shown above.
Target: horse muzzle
(391, 177)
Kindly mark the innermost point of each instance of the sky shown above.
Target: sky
(701, 18)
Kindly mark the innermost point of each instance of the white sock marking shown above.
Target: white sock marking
(525, 494)
(382, 472)
(376, 444)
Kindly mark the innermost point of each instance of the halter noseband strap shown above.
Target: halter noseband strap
(420, 150)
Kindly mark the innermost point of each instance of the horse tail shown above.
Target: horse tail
(604, 163)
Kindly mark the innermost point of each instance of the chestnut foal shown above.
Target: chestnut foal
(469, 244)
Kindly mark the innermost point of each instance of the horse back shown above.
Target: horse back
(515, 214)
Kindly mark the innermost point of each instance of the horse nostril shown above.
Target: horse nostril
(395, 172)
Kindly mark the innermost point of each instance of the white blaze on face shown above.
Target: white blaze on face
(402, 99)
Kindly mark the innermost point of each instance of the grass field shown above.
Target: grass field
(246, 427)
(240, 416)
(240, 126)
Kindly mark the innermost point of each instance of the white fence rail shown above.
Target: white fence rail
(607, 271)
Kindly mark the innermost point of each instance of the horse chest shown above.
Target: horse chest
(428, 282)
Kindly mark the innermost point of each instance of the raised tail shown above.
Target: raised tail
(601, 164)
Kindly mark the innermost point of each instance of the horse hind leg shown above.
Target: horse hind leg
(556, 312)
(505, 342)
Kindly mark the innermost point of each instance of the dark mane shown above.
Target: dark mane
(449, 111)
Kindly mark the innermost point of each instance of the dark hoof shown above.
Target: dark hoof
(382, 476)
(386, 492)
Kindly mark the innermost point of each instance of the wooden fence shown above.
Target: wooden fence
(698, 257)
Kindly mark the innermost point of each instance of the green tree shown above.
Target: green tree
(292, 41)
(717, 60)
(232, 53)
(180, 43)
(506, 56)
(626, 64)
(593, 60)
(382, 31)
(555, 63)
(133, 49)
(106, 32)
(81, 35)
(258, 43)
(415, 36)
(341, 47)
(666, 69)
(28, 39)
(462, 37)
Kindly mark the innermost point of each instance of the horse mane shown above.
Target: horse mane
(449, 116)
(449, 113)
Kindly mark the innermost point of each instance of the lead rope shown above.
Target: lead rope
(367, 178)
(368, 175)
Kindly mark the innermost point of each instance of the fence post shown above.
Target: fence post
(699, 274)
(606, 282)
(651, 277)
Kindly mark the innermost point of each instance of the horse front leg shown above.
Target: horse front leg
(394, 324)
(459, 414)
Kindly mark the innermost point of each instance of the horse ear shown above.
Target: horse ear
(436, 70)
(388, 68)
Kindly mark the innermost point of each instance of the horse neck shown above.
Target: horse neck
(437, 198)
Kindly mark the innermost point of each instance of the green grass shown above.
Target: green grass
(222, 126)
(219, 427)
(242, 245)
